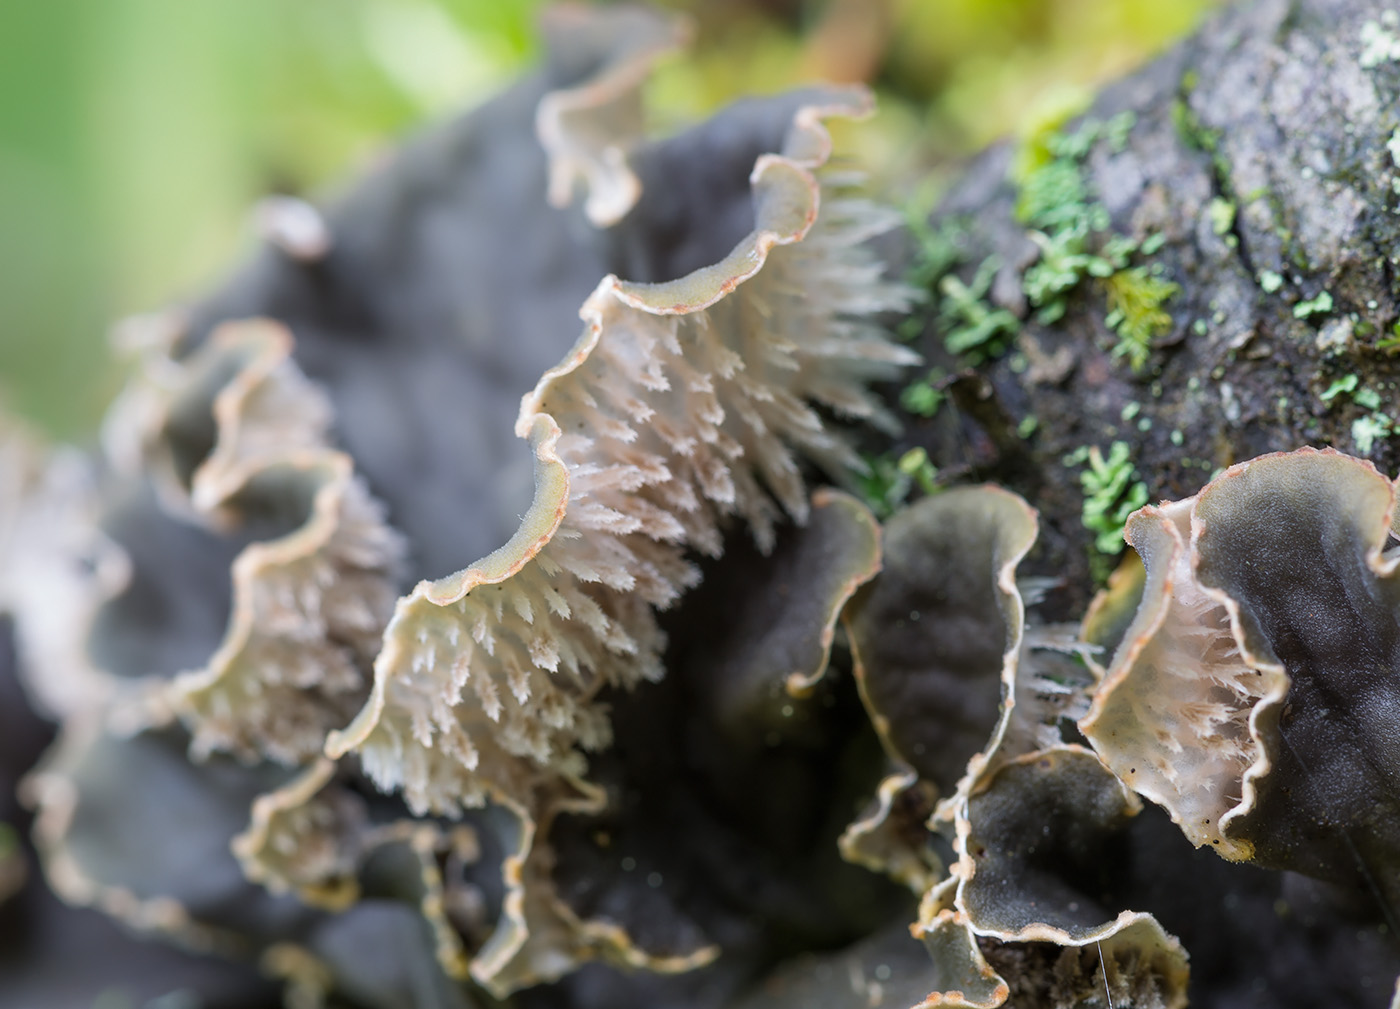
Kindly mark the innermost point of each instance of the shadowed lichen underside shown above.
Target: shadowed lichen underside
(242, 433)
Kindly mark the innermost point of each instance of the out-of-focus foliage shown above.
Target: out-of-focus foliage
(135, 135)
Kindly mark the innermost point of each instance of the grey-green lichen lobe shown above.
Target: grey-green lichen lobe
(1296, 542)
(1269, 110)
(1036, 854)
(935, 635)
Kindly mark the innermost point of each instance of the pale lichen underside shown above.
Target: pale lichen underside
(1111, 613)
(1185, 710)
(1054, 684)
(681, 404)
(308, 606)
(1172, 718)
(306, 837)
(587, 130)
(57, 570)
(483, 677)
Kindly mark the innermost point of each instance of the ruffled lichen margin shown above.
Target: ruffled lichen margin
(684, 408)
(682, 404)
(675, 409)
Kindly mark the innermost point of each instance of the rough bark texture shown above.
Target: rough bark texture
(1283, 109)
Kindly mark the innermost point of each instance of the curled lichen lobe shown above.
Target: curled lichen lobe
(1255, 692)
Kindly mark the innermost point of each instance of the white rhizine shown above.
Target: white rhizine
(670, 423)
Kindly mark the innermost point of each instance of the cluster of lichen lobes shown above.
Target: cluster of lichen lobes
(1294, 545)
(688, 412)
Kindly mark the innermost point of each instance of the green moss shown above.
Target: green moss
(1052, 195)
(1320, 305)
(1043, 132)
(1347, 383)
(883, 487)
(887, 482)
(1110, 493)
(1269, 281)
(1392, 342)
(1118, 129)
(968, 321)
(936, 249)
(1190, 130)
(915, 464)
(1221, 213)
(1072, 233)
(1366, 431)
(1135, 312)
(1064, 261)
(960, 313)
(922, 397)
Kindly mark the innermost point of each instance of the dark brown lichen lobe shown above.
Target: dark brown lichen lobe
(1036, 839)
(1297, 544)
(1255, 695)
(937, 634)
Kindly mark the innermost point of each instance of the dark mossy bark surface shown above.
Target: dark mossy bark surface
(1259, 152)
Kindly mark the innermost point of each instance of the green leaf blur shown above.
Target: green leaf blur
(135, 135)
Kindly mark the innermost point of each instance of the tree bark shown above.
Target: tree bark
(1259, 152)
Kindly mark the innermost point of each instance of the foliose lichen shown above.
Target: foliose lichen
(696, 735)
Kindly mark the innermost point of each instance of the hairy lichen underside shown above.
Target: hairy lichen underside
(684, 407)
(269, 749)
(1180, 733)
(683, 403)
(308, 608)
(1234, 698)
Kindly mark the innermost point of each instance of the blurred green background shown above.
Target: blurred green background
(135, 135)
